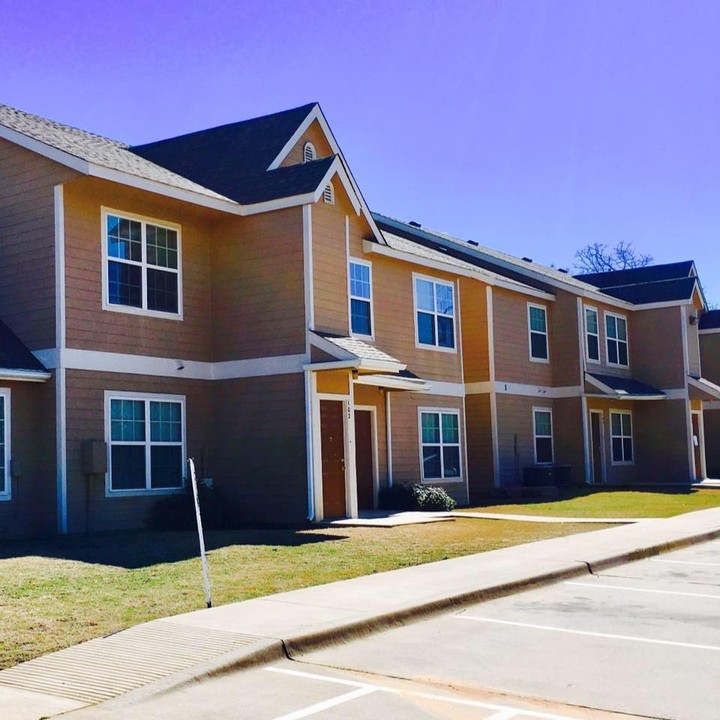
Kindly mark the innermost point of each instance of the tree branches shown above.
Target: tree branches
(598, 257)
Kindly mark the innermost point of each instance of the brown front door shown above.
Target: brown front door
(364, 459)
(332, 441)
(696, 445)
(597, 454)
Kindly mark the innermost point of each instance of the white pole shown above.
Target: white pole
(203, 557)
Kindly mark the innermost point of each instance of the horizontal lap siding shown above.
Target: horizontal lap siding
(27, 243)
(406, 441)
(475, 330)
(603, 367)
(614, 474)
(261, 456)
(655, 335)
(568, 440)
(90, 327)
(375, 397)
(661, 442)
(31, 509)
(710, 356)
(479, 440)
(564, 341)
(711, 420)
(86, 421)
(316, 136)
(515, 436)
(258, 286)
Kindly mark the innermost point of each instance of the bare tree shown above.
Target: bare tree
(598, 257)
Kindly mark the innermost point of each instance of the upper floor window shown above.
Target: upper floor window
(440, 444)
(309, 153)
(592, 335)
(361, 298)
(542, 432)
(617, 339)
(329, 194)
(538, 332)
(146, 442)
(621, 437)
(142, 265)
(435, 313)
(5, 445)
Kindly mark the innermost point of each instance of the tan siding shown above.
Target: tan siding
(658, 334)
(661, 442)
(711, 420)
(479, 440)
(258, 286)
(27, 243)
(336, 382)
(564, 341)
(515, 436)
(316, 136)
(710, 356)
(375, 397)
(474, 330)
(693, 339)
(602, 367)
(568, 439)
(615, 474)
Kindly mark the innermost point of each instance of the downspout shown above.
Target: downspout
(388, 434)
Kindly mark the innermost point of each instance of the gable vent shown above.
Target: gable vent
(309, 153)
(329, 194)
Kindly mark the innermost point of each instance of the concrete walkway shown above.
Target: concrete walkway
(170, 652)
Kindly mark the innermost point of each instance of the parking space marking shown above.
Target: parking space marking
(601, 586)
(684, 562)
(501, 712)
(550, 628)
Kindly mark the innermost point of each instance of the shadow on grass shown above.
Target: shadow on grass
(137, 549)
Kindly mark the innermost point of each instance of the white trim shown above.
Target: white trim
(587, 441)
(310, 383)
(564, 391)
(440, 411)
(534, 359)
(309, 294)
(59, 205)
(602, 448)
(701, 445)
(317, 451)
(394, 382)
(607, 390)
(494, 430)
(597, 361)
(677, 394)
(617, 316)
(688, 406)
(45, 150)
(146, 398)
(617, 411)
(436, 347)
(374, 439)
(713, 391)
(547, 410)
(365, 263)
(351, 502)
(61, 449)
(295, 137)
(6, 494)
(142, 264)
(485, 276)
(337, 168)
(329, 194)
(479, 388)
(25, 375)
(309, 153)
(709, 331)
(388, 437)
(447, 389)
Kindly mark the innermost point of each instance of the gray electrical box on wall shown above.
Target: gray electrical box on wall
(94, 457)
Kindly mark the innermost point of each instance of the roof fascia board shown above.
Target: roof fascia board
(620, 395)
(25, 375)
(337, 168)
(661, 305)
(393, 383)
(290, 144)
(707, 387)
(279, 204)
(330, 348)
(709, 331)
(599, 384)
(490, 279)
(47, 151)
(330, 365)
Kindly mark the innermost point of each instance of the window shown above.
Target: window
(146, 442)
(617, 340)
(542, 431)
(621, 437)
(435, 313)
(309, 153)
(592, 335)
(360, 298)
(440, 444)
(537, 328)
(329, 194)
(5, 485)
(142, 265)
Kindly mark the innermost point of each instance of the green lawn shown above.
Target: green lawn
(57, 593)
(613, 504)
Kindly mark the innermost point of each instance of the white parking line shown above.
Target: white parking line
(550, 628)
(502, 712)
(684, 562)
(602, 586)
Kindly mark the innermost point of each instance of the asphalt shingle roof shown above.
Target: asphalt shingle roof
(633, 276)
(652, 292)
(626, 386)
(13, 353)
(357, 347)
(710, 320)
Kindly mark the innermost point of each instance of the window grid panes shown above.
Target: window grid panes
(435, 303)
(440, 440)
(621, 437)
(592, 334)
(360, 299)
(542, 421)
(617, 341)
(143, 265)
(142, 460)
(537, 322)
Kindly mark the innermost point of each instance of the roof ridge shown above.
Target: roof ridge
(651, 282)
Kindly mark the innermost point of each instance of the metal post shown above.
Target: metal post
(203, 557)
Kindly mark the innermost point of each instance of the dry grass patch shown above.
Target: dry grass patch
(57, 593)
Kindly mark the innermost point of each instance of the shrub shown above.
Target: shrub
(177, 512)
(415, 497)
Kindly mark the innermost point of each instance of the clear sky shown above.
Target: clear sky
(533, 126)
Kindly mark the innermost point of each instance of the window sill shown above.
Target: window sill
(129, 310)
(436, 348)
(442, 481)
(143, 493)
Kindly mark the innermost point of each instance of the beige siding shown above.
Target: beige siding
(603, 368)
(711, 420)
(564, 340)
(316, 136)
(479, 441)
(710, 356)
(27, 243)
(474, 330)
(568, 438)
(515, 437)
(375, 397)
(658, 334)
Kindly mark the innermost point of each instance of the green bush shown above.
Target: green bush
(415, 497)
(177, 512)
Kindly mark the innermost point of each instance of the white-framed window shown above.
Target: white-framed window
(5, 479)
(329, 194)
(592, 335)
(145, 435)
(309, 153)
(616, 339)
(543, 436)
(439, 444)
(538, 333)
(142, 271)
(621, 442)
(360, 282)
(434, 313)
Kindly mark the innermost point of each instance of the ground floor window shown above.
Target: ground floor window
(4, 444)
(621, 437)
(542, 431)
(440, 444)
(146, 440)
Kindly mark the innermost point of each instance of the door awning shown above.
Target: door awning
(702, 389)
(622, 388)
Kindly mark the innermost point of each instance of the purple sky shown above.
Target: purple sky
(531, 126)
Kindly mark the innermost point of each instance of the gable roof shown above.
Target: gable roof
(633, 276)
(655, 292)
(623, 388)
(710, 320)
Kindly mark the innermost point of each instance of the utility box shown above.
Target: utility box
(94, 457)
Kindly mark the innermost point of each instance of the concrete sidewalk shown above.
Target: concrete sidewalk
(162, 654)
